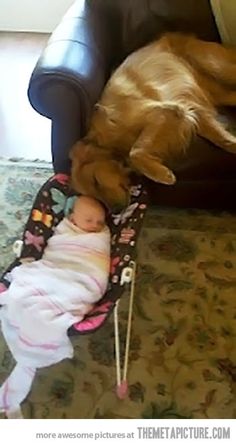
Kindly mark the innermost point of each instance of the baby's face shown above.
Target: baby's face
(88, 215)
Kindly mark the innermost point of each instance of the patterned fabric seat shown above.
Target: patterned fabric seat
(48, 210)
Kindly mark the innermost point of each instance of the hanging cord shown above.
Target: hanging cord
(128, 275)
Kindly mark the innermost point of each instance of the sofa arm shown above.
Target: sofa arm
(71, 73)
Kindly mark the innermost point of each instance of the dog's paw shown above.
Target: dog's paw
(168, 178)
(163, 175)
(231, 146)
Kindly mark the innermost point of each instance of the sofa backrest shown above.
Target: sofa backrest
(137, 22)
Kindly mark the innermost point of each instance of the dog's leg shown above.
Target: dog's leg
(151, 166)
(167, 130)
(209, 128)
(214, 59)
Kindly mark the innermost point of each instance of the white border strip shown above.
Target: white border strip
(216, 6)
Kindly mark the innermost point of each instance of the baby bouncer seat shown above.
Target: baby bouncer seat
(48, 209)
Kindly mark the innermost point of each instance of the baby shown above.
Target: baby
(88, 214)
(47, 296)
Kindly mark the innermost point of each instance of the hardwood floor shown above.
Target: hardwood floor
(23, 132)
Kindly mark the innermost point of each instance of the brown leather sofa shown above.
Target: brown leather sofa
(93, 38)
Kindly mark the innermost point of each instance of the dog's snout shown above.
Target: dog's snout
(117, 208)
(120, 205)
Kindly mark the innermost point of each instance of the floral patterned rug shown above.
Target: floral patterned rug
(183, 347)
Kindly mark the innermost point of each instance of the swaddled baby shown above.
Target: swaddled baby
(47, 296)
(81, 244)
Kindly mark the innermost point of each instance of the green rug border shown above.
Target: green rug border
(4, 161)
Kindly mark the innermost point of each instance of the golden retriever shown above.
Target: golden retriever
(154, 103)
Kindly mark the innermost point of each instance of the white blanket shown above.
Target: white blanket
(45, 298)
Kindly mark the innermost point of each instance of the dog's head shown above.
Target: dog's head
(96, 174)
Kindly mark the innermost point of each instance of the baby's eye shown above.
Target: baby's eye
(88, 220)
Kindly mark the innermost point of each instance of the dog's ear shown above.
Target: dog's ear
(103, 172)
(109, 172)
(74, 150)
(80, 153)
(111, 182)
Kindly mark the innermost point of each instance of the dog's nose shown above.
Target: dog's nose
(117, 208)
(120, 206)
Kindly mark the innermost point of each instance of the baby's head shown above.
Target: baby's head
(88, 214)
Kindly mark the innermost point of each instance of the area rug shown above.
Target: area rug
(183, 350)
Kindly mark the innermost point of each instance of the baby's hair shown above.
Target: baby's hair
(69, 205)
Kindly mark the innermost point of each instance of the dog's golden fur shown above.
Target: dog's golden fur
(150, 109)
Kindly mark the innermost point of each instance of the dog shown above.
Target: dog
(155, 102)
